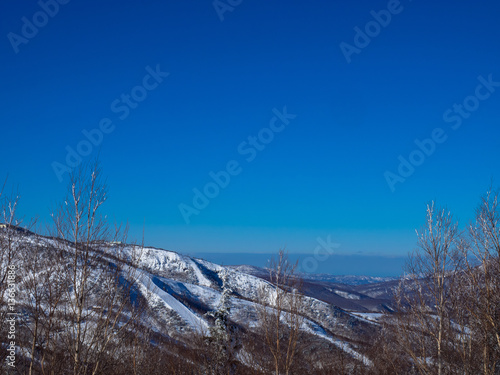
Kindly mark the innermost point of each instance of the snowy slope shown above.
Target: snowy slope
(181, 290)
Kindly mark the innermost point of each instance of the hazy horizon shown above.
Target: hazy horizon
(337, 265)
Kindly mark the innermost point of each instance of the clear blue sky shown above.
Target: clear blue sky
(323, 174)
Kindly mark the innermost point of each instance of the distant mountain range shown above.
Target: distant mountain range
(321, 277)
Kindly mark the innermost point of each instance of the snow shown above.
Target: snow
(369, 317)
(320, 332)
(193, 320)
(199, 275)
(347, 295)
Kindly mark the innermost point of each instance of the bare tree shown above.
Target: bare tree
(9, 233)
(9, 265)
(480, 293)
(424, 325)
(280, 313)
(43, 289)
(100, 273)
(388, 356)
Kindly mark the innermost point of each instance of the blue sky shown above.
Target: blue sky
(323, 174)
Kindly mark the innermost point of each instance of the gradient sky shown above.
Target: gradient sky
(323, 175)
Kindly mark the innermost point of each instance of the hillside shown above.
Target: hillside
(180, 291)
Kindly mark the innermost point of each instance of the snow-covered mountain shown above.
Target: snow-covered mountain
(181, 290)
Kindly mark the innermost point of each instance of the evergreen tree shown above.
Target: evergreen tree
(221, 340)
